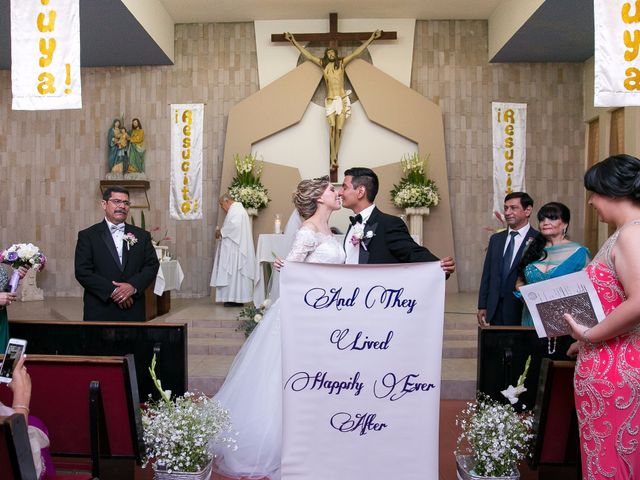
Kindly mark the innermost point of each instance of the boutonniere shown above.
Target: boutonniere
(360, 237)
(131, 240)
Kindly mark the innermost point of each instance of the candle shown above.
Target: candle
(277, 224)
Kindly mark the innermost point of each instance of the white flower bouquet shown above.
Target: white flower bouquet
(23, 255)
(494, 434)
(246, 187)
(177, 432)
(415, 189)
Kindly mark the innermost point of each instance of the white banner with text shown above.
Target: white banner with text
(45, 55)
(509, 122)
(616, 61)
(185, 195)
(361, 355)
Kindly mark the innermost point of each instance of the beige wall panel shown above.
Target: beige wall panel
(450, 66)
(56, 158)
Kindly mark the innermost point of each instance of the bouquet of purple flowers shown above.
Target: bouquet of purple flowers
(22, 255)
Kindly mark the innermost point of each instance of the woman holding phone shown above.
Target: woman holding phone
(21, 387)
(5, 299)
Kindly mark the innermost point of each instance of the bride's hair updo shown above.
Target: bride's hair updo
(307, 194)
(617, 177)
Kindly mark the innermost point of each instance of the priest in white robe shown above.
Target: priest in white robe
(235, 261)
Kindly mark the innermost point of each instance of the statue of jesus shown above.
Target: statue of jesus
(337, 103)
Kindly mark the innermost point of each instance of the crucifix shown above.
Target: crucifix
(337, 103)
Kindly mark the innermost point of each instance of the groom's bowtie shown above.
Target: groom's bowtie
(356, 219)
(116, 228)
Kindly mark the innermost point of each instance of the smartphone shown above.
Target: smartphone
(15, 349)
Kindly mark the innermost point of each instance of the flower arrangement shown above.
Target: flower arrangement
(23, 255)
(250, 316)
(177, 433)
(497, 437)
(164, 238)
(415, 189)
(246, 187)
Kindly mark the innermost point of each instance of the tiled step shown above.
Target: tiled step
(460, 349)
(458, 378)
(215, 332)
(460, 334)
(215, 345)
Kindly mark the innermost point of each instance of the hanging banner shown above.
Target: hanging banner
(509, 150)
(185, 195)
(617, 43)
(361, 353)
(45, 55)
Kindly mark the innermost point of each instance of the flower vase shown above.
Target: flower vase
(415, 215)
(252, 212)
(203, 474)
(464, 468)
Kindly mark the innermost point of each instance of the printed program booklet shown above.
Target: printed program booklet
(549, 300)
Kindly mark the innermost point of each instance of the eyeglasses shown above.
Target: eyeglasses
(120, 203)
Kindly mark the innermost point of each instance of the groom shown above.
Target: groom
(374, 236)
(115, 263)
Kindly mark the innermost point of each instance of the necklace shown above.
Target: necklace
(551, 349)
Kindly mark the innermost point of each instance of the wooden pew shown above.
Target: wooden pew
(90, 407)
(556, 449)
(16, 461)
(502, 354)
(167, 340)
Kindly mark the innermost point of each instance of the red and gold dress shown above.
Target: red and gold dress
(607, 386)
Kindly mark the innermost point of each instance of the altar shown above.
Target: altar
(269, 246)
(158, 294)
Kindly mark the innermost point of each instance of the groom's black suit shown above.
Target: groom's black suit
(391, 242)
(97, 265)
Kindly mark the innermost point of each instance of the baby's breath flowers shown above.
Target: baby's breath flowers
(494, 434)
(177, 433)
(246, 186)
(415, 189)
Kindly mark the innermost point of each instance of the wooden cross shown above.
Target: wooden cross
(333, 37)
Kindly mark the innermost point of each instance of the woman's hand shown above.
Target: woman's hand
(573, 350)
(279, 263)
(22, 271)
(21, 387)
(577, 330)
(6, 298)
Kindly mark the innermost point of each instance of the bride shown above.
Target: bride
(252, 391)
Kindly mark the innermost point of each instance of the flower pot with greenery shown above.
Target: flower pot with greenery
(178, 432)
(494, 437)
(246, 186)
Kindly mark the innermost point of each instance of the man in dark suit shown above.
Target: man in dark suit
(496, 303)
(374, 236)
(115, 263)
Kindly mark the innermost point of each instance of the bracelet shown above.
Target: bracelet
(24, 407)
(585, 337)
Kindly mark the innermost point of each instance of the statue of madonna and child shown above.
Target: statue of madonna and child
(126, 151)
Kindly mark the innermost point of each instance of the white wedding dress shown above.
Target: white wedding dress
(252, 391)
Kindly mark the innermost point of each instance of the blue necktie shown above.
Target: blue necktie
(508, 254)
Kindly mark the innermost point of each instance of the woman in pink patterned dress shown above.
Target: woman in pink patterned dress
(607, 375)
